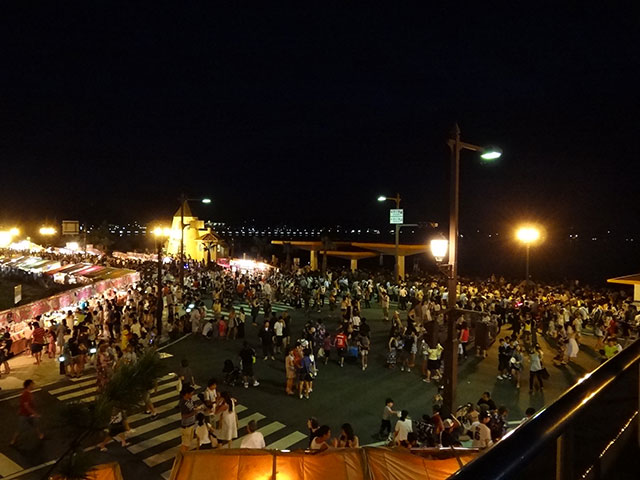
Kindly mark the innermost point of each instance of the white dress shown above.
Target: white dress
(572, 348)
(228, 426)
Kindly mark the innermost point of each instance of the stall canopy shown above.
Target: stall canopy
(340, 464)
(107, 471)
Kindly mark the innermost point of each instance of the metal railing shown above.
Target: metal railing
(572, 437)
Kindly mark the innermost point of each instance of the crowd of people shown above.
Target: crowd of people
(114, 328)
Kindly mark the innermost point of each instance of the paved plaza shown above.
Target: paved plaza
(339, 395)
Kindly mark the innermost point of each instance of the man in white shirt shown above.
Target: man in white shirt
(480, 433)
(253, 438)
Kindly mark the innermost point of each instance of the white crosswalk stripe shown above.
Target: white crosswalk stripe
(276, 307)
(156, 441)
(287, 441)
(81, 391)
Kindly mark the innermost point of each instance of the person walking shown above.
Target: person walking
(535, 368)
(27, 414)
(117, 430)
(385, 424)
(290, 369)
(266, 338)
(248, 357)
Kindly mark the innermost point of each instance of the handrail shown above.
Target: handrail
(504, 459)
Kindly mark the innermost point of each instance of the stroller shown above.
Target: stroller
(232, 374)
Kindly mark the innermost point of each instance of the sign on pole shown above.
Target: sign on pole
(396, 216)
(17, 294)
(70, 227)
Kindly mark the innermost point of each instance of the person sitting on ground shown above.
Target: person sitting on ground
(319, 442)
(487, 400)
(347, 438)
(480, 433)
(449, 436)
(253, 438)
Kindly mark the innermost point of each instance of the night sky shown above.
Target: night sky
(305, 115)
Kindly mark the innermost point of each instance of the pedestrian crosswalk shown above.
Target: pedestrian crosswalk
(275, 307)
(155, 441)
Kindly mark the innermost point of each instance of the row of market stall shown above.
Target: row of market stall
(69, 273)
(91, 279)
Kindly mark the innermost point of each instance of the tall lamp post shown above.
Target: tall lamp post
(528, 235)
(438, 249)
(382, 198)
(183, 200)
(47, 232)
(160, 234)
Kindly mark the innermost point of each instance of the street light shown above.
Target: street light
(160, 233)
(451, 345)
(382, 198)
(47, 231)
(528, 234)
(183, 200)
(439, 247)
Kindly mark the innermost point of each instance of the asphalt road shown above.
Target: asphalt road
(339, 395)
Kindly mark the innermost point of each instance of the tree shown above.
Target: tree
(125, 390)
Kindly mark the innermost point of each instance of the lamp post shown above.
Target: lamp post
(438, 249)
(47, 232)
(160, 234)
(528, 235)
(382, 198)
(183, 200)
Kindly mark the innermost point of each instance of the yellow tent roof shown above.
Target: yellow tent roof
(626, 280)
(335, 464)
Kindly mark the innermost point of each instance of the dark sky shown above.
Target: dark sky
(305, 115)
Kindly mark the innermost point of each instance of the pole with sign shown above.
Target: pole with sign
(396, 217)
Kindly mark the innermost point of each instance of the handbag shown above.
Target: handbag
(544, 374)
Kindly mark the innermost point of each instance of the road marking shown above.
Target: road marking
(17, 395)
(155, 424)
(158, 458)
(174, 342)
(286, 442)
(245, 420)
(82, 378)
(153, 441)
(8, 466)
(166, 475)
(80, 393)
(265, 431)
(72, 387)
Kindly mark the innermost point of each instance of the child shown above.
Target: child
(204, 433)
(385, 425)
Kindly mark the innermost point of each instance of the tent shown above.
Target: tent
(366, 463)
(107, 471)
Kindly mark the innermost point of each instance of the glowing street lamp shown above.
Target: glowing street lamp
(491, 153)
(528, 234)
(47, 231)
(439, 247)
(450, 353)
